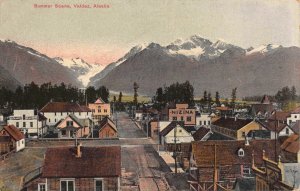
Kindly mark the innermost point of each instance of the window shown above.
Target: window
(181, 118)
(295, 116)
(49, 120)
(99, 110)
(54, 120)
(61, 113)
(99, 185)
(67, 185)
(204, 122)
(287, 131)
(174, 118)
(188, 118)
(31, 124)
(42, 187)
(23, 117)
(63, 132)
(69, 123)
(290, 121)
(241, 152)
(24, 124)
(55, 113)
(208, 122)
(105, 110)
(246, 171)
(200, 122)
(79, 113)
(17, 124)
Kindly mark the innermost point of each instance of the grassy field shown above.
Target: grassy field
(129, 98)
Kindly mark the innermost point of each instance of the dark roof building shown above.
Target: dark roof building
(202, 134)
(64, 107)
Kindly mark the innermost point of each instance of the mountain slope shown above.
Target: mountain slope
(8, 81)
(83, 70)
(218, 67)
(27, 65)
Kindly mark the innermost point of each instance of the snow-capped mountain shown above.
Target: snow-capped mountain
(200, 48)
(133, 51)
(212, 66)
(26, 65)
(264, 49)
(83, 70)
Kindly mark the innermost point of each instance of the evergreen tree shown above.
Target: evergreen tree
(233, 97)
(293, 93)
(209, 100)
(135, 95)
(120, 97)
(217, 98)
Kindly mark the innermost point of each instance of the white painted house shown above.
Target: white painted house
(203, 119)
(16, 137)
(28, 121)
(55, 111)
(175, 130)
(294, 116)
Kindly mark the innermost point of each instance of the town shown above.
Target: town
(87, 139)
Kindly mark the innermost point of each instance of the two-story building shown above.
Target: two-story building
(107, 129)
(203, 119)
(182, 112)
(100, 109)
(294, 116)
(235, 128)
(78, 168)
(72, 127)
(29, 121)
(55, 111)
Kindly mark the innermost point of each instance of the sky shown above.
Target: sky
(104, 35)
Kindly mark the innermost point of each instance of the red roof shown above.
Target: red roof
(14, 132)
(227, 152)
(280, 115)
(200, 133)
(64, 107)
(232, 123)
(94, 162)
(291, 144)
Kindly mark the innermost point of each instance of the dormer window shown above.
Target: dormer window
(241, 152)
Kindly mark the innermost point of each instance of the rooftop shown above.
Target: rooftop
(232, 123)
(64, 107)
(94, 162)
(14, 132)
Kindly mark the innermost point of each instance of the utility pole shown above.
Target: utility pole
(215, 169)
(147, 121)
(276, 126)
(175, 150)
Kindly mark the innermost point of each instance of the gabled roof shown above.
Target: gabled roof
(94, 162)
(171, 126)
(279, 115)
(227, 152)
(200, 133)
(296, 127)
(296, 111)
(232, 123)
(100, 100)
(108, 121)
(64, 107)
(81, 122)
(14, 132)
(274, 126)
(291, 144)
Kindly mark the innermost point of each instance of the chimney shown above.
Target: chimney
(78, 151)
(246, 141)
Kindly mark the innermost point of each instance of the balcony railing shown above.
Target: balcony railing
(21, 118)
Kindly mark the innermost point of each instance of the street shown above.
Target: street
(142, 167)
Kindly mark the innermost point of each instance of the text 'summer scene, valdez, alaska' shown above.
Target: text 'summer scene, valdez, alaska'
(139, 95)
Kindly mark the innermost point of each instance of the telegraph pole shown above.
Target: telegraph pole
(147, 121)
(175, 151)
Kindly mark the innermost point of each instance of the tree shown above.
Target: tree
(209, 100)
(103, 92)
(205, 97)
(115, 99)
(159, 95)
(135, 95)
(217, 98)
(293, 93)
(120, 97)
(233, 97)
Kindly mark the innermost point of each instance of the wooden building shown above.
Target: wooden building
(13, 136)
(78, 168)
(107, 129)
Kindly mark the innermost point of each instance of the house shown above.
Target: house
(234, 128)
(263, 109)
(107, 129)
(72, 126)
(29, 121)
(157, 126)
(55, 111)
(138, 115)
(100, 109)
(224, 111)
(203, 119)
(202, 134)
(78, 168)
(276, 128)
(294, 116)
(15, 136)
(182, 112)
(220, 163)
(175, 131)
(270, 176)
